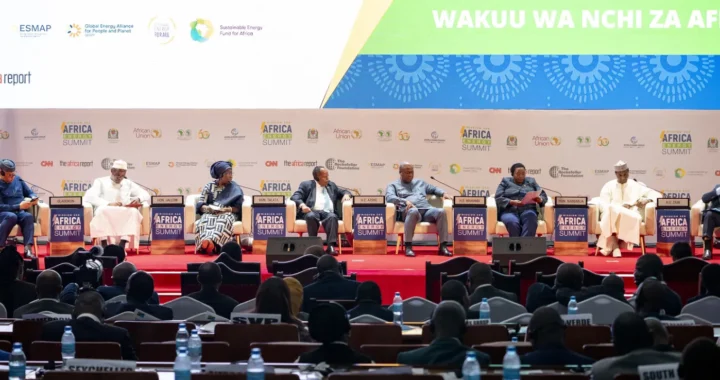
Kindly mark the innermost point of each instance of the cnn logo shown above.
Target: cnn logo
(495, 171)
(46, 163)
(271, 164)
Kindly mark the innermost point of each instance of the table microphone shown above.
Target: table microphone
(143, 186)
(554, 191)
(438, 181)
(348, 189)
(250, 188)
(642, 183)
(41, 188)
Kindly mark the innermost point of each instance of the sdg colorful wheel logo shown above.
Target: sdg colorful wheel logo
(201, 30)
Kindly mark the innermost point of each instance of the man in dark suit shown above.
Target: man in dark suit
(700, 359)
(210, 277)
(14, 292)
(369, 302)
(568, 283)
(448, 327)
(650, 266)
(711, 219)
(710, 279)
(87, 325)
(49, 286)
(329, 326)
(315, 200)
(139, 290)
(650, 299)
(330, 284)
(454, 290)
(120, 275)
(546, 332)
(681, 250)
(480, 280)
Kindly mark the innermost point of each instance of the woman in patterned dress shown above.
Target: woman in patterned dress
(220, 205)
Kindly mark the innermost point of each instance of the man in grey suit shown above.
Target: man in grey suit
(49, 286)
(711, 219)
(634, 344)
(315, 200)
(410, 197)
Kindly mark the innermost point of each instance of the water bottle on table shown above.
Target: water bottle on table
(195, 350)
(511, 364)
(471, 367)
(255, 366)
(181, 339)
(484, 309)
(67, 344)
(182, 365)
(397, 309)
(16, 363)
(572, 306)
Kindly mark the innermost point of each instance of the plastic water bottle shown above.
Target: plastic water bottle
(484, 309)
(67, 344)
(195, 350)
(181, 339)
(182, 365)
(471, 367)
(511, 364)
(255, 366)
(17, 363)
(397, 309)
(514, 339)
(572, 305)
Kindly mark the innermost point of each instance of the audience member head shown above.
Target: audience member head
(116, 251)
(699, 358)
(233, 249)
(681, 250)
(614, 284)
(140, 287)
(273, 297)
(454, 290)
(327, 263)
(710, 277)
(209, 275)
(660, 335)
(296, 295)
(49, 284)
(448, 320)
(122, 272)
(648, 265)
(328, 323)
(369, 291)
(546, 329)
(11, 265)
(89, 302)
(569, 275)
(650, 297)
(479, 274)
(630, 333)
(315, 250)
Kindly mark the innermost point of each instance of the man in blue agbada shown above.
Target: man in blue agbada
(16, 199)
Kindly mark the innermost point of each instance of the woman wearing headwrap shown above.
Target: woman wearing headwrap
(220, 205)
(519, 219)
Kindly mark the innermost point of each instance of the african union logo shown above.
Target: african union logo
(201, 30)
(603, 141)
(74, 30)
(679, 173)
(403, 136)
(478, 139)
(455, 169)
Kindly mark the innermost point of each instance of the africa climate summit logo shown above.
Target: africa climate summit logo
(201, 30)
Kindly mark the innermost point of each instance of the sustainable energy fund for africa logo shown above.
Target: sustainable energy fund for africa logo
(201, 30)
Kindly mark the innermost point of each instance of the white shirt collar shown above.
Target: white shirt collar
(483, 286)
(91, 316)
(46, 299)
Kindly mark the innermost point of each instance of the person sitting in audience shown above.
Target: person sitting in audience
(233, 249)
(661, 337)
(49, 286)
(651, 266)
(273, 297)
(480, 278)
(114, 250)
(650, 299)
(710, 279)
(120, 275)
(613, 286)
(4, 356)
(454, 290)
(634, 345)
(448, 327)
(209, 277)
(700, 359)
(140, 288)
(369, 301)
(568, 282)
(315, 250)
(330, 284)
(329, 326)
(546, 332)
(296, 298)
(87, 325)
(14, 292)
(681, 250)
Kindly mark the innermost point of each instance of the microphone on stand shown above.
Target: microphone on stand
(348, 189)
(250, 188)
(554, 191)
(41, 188)
(438, 181)
(642, 183)
(143, 186)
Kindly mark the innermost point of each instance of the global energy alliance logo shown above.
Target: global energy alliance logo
(162, 29)
(275, 133)
(76, 133)
(274, 187)
(94, 30)
(33, 30)
(74, 188)
(201, 30)
(74, 30)
(676, 142)
(16, 79)
(476, 139)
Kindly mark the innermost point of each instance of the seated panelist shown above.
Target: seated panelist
(219, 206)
(16, 199)
(519, 219)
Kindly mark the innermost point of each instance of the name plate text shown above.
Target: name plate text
(268, 200)
(577, 319)
(673, 203)
(167, 200)
(469, 201)
(65, 202)
(369, 200)
(571, 201)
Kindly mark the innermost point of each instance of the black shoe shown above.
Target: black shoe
(123, 243)
(409, 251)
(707, 254)
(331, 250)
(29, 253)
(103, 243)
(443, 251)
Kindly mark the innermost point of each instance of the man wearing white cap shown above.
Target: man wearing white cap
(116, 201)
(621, 210)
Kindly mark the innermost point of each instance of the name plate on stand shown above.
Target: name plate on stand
(67, 224)
(369, 231)
(469, 225)
(673, 223)
(167, 225)
(268, 220)
(571, 226)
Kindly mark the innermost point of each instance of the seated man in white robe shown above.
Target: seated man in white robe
(621, 211)
(116, 201)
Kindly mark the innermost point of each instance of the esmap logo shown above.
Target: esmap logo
(15, 79)
(33, 30)
(76, 133)
(74, 188)
(274, 187)
(162, 29)
(477, 139)
(274, 133)
(201, 30)
(676, 142)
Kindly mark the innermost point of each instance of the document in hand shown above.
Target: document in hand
(530, 197)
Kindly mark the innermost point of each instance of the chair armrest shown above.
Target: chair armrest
(389, 218)
(449, 214)
(347, 217)
(549, 216)
(650, 219)
(695, 218)
(145, 224)
(44, 219)
(88, 213)
(593, 219)
(190, 214)
(246, 212)
(492, 216)
(290, 215)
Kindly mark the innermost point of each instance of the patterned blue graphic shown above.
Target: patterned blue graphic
(408, 77)
(674, 78)
(496, 78)
(530, 82)
(584, 78)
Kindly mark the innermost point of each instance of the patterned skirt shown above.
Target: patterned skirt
(217, 228)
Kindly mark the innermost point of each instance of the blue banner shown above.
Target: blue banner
(66, 225)
(470, 224)
(268, 222)
(369, 223)
(673, 226)
(168, 223)
(571, 225)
